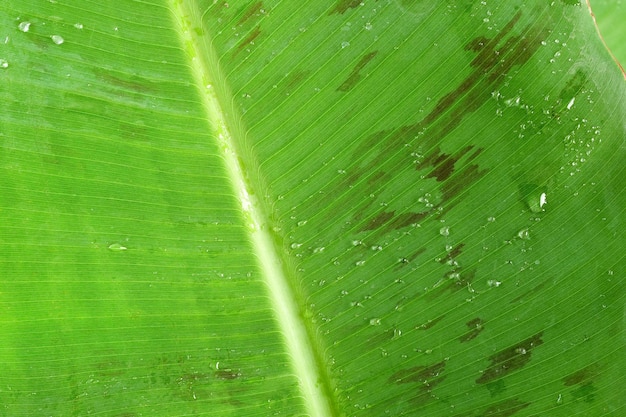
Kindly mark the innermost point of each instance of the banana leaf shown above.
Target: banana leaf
(327, 208)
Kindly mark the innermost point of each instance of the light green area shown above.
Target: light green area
(295, 208)
(610, 16)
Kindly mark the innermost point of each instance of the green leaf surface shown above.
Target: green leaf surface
(345, 208)
(610, 16)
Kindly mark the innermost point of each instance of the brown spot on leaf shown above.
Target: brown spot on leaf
(407, 219)
(379, 220)
(252, 11)
(476, 326)
(227, 374)
(295, 78)
(355, 75)
(430, 323)
(247, 40)
(344, 5)
(419, 374)
(525, 295)
(505, 408)
(427, 378)
(456, 251)
(584, 375)
(476, 44)
(510, 359)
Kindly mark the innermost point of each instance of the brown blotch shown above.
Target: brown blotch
(380, 176)
(475, 326)
(379, 220)
(344, 5)
(407, 219)
(505, 408)
(295, 78)
(252, 11)
(524, 296)
(408, 259)
(495, 58)
(510, 359)
(419, 374)
(355, 75)
(227, 374)
(476, 44)
(451, 188)
(135, 83)
(247, 40)
(430, 323)
(456, 251)
(584, 375)
(427, 378)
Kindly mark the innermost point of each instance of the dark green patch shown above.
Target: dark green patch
(505, 408)
(476, 326)
(510, 359)
(571, 2)
(574, 85)
(585, 392)
(343, 6)
(355, 75)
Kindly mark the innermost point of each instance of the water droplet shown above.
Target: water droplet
(302, 222)
(444, 231)
(368, 26)
(24, 26)
(536, 198)
(319, 249)
(78, 25)
(494, 283)
(524, 234)
(57, 39)
(4, 63)
(117, 247)
(356, 243)
(571, 103)
(295, 245)
(360, 263)
(375, 321)
(376, 248)
(345, 44)
(491, 219)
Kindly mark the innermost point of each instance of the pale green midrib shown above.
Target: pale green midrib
(306, 361)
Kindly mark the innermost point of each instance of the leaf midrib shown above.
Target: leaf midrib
(225, 122)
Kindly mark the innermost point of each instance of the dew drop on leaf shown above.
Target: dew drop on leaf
(444, 231)
(116, 247)
(57, 39)
(24, 26)
(4, 63)
(375, 321)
